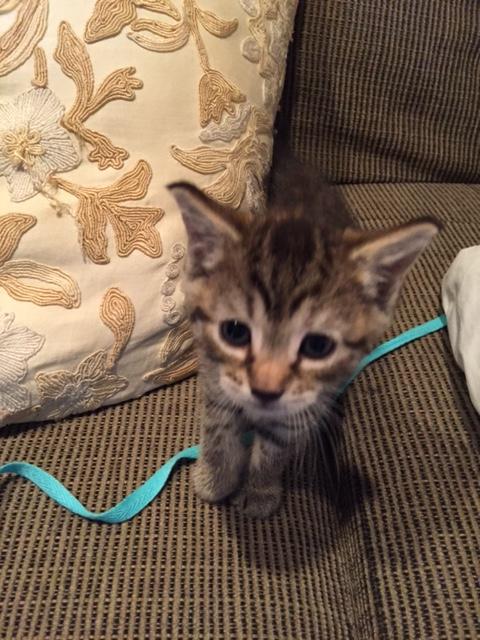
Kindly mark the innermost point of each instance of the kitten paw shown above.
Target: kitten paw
(212, 486)
(258, 503)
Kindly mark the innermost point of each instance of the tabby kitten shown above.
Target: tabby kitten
(283, 307)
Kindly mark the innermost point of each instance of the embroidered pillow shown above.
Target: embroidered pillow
(103, 103)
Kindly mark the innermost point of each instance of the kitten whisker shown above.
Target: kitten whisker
(324, 427)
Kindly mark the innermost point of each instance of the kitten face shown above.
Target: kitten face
(284, 307)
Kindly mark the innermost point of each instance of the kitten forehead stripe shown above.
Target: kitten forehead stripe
(261, 287)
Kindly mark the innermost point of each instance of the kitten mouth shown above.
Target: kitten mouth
(277, 409)
(257, 408)
(269, 409)
(274, 409)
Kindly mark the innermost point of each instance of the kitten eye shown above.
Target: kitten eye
(235, 333)
(316, 346)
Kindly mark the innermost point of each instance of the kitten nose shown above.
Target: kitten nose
(266, 396)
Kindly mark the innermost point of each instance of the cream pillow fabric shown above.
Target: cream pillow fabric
(103, 103)
(461, 302)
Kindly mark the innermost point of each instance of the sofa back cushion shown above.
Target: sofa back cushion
(386, 91)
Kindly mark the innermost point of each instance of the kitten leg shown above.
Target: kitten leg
(262, 494)
(223, 457)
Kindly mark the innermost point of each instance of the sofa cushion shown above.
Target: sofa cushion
(102, 104)
(387, 550)
(386, 91)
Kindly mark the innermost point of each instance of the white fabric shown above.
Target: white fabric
(461, 302)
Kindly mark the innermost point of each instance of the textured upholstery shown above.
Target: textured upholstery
(386, 91)
(389, 550)
(377, 92)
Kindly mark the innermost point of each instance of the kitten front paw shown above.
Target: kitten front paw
(258, 503)
(211, 485)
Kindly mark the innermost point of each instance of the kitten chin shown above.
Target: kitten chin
(283, 307)
(281, 409)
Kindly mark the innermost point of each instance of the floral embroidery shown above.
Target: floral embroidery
(17, 345)
(111, 16)
(118, 314)
(133, 227)
(242, 167)
(17, 44)
(72, 56)
(94, 380)
(40, 68)
(106, 212)
(178, 358)
(63, 392)
(267, 45)
(8, 5)
(256, 47)
(230, 128)
(171, 315)
(33, 145)
(216, 94)
(28, 280)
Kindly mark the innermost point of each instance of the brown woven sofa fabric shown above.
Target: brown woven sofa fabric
(390, 553)
(413, 433)
(386, 91)
(181, 569)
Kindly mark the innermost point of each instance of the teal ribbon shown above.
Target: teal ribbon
(143, 495)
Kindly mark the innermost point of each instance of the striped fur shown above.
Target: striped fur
(303, 269)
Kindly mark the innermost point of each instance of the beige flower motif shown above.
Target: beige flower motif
(74, 59)
(178, 358)
(217, 95)
(111, 16)
(28, 280)
(257, 47)
(17, 345)
(18, 42)
(33, 144)
(81, 390)
(134, 227)
(94, 380)
(267, 44)
(241, 167)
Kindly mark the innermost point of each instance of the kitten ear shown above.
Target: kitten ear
(210, 227)
(383, 259)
